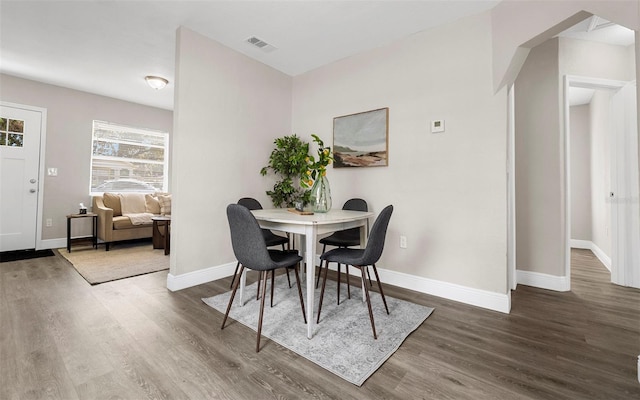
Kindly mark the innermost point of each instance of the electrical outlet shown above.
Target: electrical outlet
(49, 222)
(403, 242)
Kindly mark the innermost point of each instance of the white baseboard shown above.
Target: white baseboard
(51, 244)
(476, 297)
(183, 281)
(604, 259)
(581, 244)
(543, 281)
(589, 245)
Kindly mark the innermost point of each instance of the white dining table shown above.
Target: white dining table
(310, 226)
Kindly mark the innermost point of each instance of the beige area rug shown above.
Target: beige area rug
(123, 260)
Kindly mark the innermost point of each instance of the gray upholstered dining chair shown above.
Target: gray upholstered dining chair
(269, 237)
(345, 238)
(251, 251)
(361, 259)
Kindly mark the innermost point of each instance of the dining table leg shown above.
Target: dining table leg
(311, 235)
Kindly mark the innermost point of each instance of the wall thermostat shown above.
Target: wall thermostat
(437, 126)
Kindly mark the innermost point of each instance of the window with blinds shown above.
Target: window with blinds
(128, 159)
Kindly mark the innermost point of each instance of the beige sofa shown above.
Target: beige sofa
(113, 226)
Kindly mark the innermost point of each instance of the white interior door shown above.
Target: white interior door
(20, 138)
(625, 205)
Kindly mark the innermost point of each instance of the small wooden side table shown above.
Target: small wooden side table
(94, 228)
(159, 240)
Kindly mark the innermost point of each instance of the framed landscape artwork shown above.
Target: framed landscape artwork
(362, 139)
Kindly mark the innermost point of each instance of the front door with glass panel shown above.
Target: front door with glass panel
(20, 134)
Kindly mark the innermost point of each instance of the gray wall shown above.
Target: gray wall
(580, 173)
(228, 110)
(539, 207)
(70, 114)
(448, 190)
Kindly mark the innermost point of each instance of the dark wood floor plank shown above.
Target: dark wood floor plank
(39, 371)
(134, 339)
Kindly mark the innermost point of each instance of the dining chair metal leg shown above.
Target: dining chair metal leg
(304, 313)
(264, 292)
(366, 291)
(346, 267)
(287, 269)
(258, 286)
(233, 295)
(324, 247)
(338, 284)
(273, 274)
(234, 275)
(324, 283)
(288, 278)
(375, 271)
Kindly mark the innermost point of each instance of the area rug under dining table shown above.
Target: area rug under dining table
(342, 342)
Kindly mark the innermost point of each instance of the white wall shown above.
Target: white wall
(70, 115)
(228, 110)
(448, 189)
(580, 173)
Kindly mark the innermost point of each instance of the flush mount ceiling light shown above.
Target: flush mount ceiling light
(156, 82)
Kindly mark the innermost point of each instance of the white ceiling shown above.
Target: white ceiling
(108, 47)
(598, 29)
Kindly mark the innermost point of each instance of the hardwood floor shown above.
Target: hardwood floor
(133, 339)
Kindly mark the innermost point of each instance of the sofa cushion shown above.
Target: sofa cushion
(112, 201)
(123, 222)
(165, 204)
(152, 204)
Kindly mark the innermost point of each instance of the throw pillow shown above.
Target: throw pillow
(132, 203)
(112, 201)
(165, 204)
(152, 204)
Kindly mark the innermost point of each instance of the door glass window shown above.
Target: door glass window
(11, 132)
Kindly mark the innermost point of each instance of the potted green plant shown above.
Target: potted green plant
(289, 162)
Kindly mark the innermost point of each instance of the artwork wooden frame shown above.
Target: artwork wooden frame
(361, 139)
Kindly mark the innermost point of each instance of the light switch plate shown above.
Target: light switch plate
(437, 126)
(52, 171)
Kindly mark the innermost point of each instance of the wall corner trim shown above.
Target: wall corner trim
(543, 281)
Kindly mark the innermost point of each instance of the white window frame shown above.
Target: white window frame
(102, 125)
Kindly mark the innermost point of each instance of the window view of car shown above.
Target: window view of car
(125, 185)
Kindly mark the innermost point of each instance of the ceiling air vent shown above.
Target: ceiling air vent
(261, 44)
